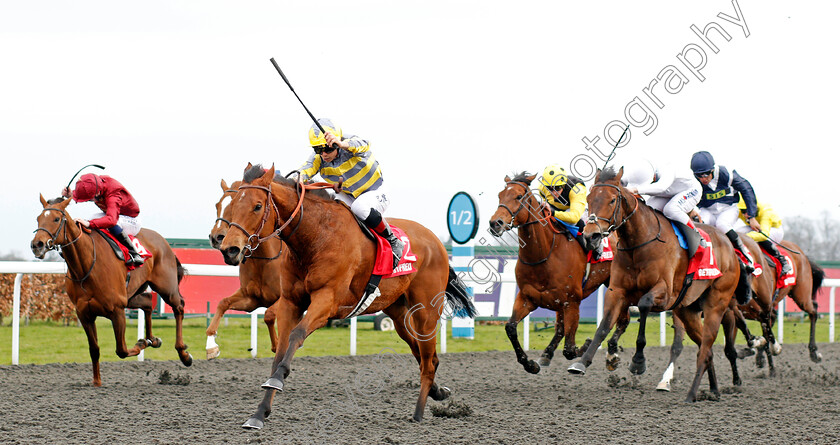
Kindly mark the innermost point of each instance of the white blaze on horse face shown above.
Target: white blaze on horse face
(223, 206)
(47, 213)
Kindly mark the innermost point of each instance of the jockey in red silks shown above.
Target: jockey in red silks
(121, 214)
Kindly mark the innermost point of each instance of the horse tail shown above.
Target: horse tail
(818, 275)
(181, 270)
(457, 296)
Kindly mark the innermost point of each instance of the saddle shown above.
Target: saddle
(119, 250)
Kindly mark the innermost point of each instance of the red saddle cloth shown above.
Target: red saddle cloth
(607, 253)
(749, 259)
(137, 245)
(702, 265)
(385, 256)
(787, 279)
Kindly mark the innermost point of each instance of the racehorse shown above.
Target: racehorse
(259, 277)
(550, 270)
(648, 271)
(330, 263)
(99, 285)
(766, 295)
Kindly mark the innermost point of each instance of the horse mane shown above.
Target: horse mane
(522, 177)
(257, 171)
(607, 174)
(56, 200)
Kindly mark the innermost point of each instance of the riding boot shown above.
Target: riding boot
(691, 225)
(377, 223)
(738, 244)
(770, 248)
(135, 258)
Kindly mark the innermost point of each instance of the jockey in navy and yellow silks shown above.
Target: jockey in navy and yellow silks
(566, 196)
(771, 225)
(719, 201)
(348, 161)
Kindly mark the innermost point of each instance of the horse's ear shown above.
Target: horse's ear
(597, 174)
(224, 185)
(531, 178)
(507, 178)
(43, 201)
(63, 204)
(619, 174)
(269, 174)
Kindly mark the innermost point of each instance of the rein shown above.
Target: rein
(543, 208)
(595, 219)
(51, 244)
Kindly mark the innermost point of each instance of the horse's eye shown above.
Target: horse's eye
(518, 197)
(56, 220)
(612, 201)
(257, 207)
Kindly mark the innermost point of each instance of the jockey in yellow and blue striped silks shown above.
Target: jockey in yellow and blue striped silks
(348, 161)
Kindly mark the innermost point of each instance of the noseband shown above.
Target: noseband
(595, 219)
(62, 226)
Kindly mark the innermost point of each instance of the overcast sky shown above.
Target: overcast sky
(173, 96)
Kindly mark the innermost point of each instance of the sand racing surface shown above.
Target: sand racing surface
(370, 399)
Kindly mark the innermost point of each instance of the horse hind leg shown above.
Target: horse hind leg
(172, 296)
(730, 331)
(89, 325)
(613, 359)
(676, 351)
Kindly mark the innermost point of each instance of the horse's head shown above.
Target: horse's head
(52, 226)
(252, 215)
(607, 206)
(516, 204)
(220, 227)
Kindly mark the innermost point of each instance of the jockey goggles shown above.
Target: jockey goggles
(703, 174)
(323, 149)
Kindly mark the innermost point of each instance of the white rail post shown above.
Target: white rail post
(662, 328)
(780, 336)
(141, 331)
(16, 321)
(831, 315)
(599, 311)
(526, 333)
(353, 326)
(254, 317)
(442, 334)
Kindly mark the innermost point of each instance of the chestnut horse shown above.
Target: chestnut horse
(809, 278)
(648, 271)
(550, 270)
(330, 263)
(259, 277)
(98, 285)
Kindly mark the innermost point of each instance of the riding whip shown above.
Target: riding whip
(318, 124)
(616, 144)
(779, 244)
(80, 170)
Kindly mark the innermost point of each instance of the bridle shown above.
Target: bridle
(52, 245)
(512, 224)
(595, 219)
(300, 190)
(250, 251)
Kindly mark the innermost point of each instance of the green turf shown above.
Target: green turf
(48, 342)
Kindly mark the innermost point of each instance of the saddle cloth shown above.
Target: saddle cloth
(122, 251)
(385, 257)
(702, 265)
(788, 279)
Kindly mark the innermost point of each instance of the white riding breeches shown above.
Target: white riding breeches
(371, 199)
(776, 234)
(722, 216)
(130, 226)
(677, 207)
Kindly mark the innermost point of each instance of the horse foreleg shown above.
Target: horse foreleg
(816, 357)
(638, 364)
(548, 353)
(613, 359)
(89, 325)
(676, 350)
(521, 308)
(614, 305)
(269, 318)
(293, 328)
(571, 318)
(172, 296)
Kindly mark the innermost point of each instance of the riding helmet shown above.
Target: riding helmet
(316, 138)
(554, 176)
(702, 162)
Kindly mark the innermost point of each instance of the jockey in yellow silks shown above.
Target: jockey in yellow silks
(771, 225)
(348, 161)
(566, 197)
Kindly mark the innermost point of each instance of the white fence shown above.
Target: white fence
(26, 267)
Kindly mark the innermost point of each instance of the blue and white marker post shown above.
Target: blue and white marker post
(462, 222)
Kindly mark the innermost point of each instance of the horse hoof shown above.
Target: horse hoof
(758, 342)
(613, 362)
(664, 386)
(544, 362)
(816, 357)
(443, 393)
(577, 368)
(776, 349)
(213, 352)
(253, 424)
(638, 368)
(273, 383)
(156, 343)
(532, 367)
(188, 361)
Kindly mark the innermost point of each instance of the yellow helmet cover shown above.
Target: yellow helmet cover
(554, 176)
(316, 138)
